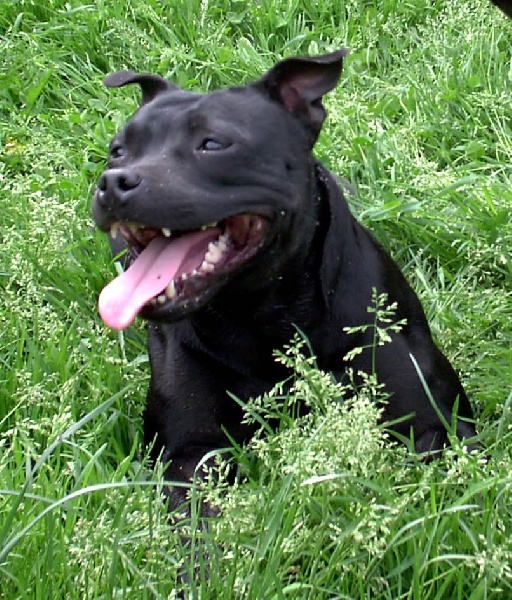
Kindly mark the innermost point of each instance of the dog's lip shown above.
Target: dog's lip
(139, 234)
(130, 230)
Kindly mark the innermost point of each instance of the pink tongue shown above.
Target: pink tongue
(149, 275)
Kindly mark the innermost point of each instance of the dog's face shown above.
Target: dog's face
(198, 186)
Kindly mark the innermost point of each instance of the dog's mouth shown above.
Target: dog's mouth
(170, 273)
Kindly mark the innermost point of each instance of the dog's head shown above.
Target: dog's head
(198, 186)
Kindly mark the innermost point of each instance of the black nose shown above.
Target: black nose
(118, 184)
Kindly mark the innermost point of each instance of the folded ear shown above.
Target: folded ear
(151, 85)
(299, 83)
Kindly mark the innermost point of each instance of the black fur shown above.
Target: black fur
(315, 269)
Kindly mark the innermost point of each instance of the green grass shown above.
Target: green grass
(324, 508)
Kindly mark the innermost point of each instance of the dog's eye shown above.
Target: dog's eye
(210, 145)
(116, 151)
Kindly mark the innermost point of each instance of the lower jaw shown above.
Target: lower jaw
(180, 307)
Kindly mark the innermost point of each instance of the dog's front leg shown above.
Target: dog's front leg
(188, 454)
(187, 412)
(184, 472)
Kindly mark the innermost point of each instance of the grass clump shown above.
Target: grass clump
(332, 509)
(325, 507)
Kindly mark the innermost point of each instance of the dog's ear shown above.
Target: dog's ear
(299, 83)
(151, 85)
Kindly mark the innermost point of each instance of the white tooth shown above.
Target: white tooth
(209, 226)
(194, 272)
(132, 227)
(161, 299)
(166, 231)
(184, 277)
(170, 290)
(206, 267)
(114, 229)
(153, 301)
(213, 254)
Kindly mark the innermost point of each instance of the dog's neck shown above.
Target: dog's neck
(302, 282)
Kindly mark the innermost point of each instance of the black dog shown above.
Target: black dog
(505, 5)
(236, 236)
